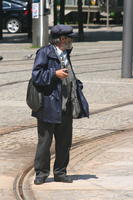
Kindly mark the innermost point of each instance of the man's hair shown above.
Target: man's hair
(54, 40)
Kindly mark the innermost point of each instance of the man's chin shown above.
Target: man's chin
(69, 47)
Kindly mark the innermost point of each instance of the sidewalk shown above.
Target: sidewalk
(101, 169)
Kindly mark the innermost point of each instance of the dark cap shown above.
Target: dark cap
(62, 29)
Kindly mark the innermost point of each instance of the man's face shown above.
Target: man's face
(66, 42)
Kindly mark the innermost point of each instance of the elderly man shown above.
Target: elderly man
(53, 71)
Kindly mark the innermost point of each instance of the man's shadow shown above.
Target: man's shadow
(84, 177)
(77, 177)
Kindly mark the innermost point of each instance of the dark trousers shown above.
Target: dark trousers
(63, 140)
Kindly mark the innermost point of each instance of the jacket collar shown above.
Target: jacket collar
(51, 52)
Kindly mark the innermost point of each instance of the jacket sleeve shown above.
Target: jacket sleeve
(41, 74)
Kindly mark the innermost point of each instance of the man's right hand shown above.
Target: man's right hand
(62, 73)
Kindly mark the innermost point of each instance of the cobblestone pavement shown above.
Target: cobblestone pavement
(17, 152)
(98, 65)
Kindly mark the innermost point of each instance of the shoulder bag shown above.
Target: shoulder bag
(33, 97)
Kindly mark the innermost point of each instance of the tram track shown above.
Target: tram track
(23, 81)
(8, 130)
(21, 62)
(75, 55)
(17, 71)
(5, 131)
(78, 73)
(13, 83)
(19, 182)
(96, 145)
(84, 72)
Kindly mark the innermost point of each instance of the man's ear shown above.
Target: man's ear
(62, 38)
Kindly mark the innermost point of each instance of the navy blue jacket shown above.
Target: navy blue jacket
(43, 75)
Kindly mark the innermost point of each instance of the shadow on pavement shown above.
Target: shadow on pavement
(76, 177)
(100, 33)
(84, 177)
(15, 38)
(95, 36)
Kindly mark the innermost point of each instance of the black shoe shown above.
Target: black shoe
(64, 179)
(39, 180)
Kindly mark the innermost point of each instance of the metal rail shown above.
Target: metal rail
(32, 125)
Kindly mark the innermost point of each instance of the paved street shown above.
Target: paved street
(108, 175)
